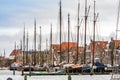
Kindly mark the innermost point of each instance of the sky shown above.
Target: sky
(15, 13)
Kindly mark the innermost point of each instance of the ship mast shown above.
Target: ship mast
(51, 46)
(27, 49)
(68, 36)
(24, 46)
(4, 53)
(86, 16)
(78, 27)
(94, 24)
(117, 24)
(34, 42)
(60, 17)
(40, 46)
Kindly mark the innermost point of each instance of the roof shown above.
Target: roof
(98, 44)
(64, 46)
(56, 47)
(71, 45)
(117, 43)
(15, 52)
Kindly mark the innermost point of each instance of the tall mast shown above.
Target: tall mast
(40, 45)
(20, 44)
(15, 45)
(68, 35)
(86, 16)
(27, 49)
(4, 53)
(21, 48)
(47, 51)
(117, 24)
(94, 21)
(24, 46)
(78, 27)
(35, 42)
(51, 46)
(60, 17)
(94, 26)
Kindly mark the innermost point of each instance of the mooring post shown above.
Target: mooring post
(29, 70)
(14, 70)
(69, 77)
(25, 77)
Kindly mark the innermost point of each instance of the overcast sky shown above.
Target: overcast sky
(14, 13)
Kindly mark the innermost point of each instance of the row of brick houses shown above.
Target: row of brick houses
(101, 51)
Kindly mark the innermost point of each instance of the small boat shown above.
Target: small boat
(27, 68)
(15, 66)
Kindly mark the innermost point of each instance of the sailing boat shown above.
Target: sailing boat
(116, 76)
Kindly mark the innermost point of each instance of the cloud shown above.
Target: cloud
(15, 13)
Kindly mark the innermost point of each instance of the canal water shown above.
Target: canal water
(5, 74)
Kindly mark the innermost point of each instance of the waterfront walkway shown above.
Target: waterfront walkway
(5, 74)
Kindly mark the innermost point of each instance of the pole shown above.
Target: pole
(60, 16)
(34, 42)
(86, 16)
(27, 49)
(68, 36)
(51, 46)
(78, 27)
(24, 46)
(93, 35)
(40, 47)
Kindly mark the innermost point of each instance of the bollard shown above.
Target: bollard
(29, 70)
(22, 73)
(25, 77)
(14, 71)
(69, 77)
(91, 71)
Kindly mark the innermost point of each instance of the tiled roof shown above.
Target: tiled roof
(117, 43)
(71, 45)
(56, 47)
(98, 44)
(15, 52)
(64, 46)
